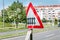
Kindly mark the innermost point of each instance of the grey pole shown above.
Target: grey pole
(3, 13)
(33, 23)
(31, 35)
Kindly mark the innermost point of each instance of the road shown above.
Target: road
(48, 35)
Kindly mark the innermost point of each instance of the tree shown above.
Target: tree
(6, 19)
(12, 13)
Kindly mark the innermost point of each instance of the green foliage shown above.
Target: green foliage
(5, 14)
(12, 13)
(59, 20)
(44, 20)
(56, 21)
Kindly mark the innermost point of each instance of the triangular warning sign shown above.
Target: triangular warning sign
(36, 15)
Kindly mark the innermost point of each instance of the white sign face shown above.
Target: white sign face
(28, 35)
(31, 15)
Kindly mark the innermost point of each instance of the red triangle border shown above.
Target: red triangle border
(37, 16)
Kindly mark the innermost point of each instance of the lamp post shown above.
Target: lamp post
(3, 13)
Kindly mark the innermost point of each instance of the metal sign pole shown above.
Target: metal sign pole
(31, 35)
(3, 13)
(32, 22)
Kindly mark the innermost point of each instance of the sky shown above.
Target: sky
(26, 2)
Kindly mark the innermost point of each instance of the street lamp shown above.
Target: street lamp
(3, 13)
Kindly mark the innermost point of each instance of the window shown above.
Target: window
(37, 11)
(49, 18)
(53, 13)
(49, 13)
(43, 11)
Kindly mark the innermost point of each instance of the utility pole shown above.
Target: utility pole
(3, 13)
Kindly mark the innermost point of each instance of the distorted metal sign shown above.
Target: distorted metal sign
(33, 19)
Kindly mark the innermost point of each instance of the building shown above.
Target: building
(48, 12)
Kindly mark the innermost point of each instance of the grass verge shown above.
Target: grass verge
(24, 33)
(13, 35)
(46, 28)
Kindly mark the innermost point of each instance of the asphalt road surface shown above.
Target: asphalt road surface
(48, 35)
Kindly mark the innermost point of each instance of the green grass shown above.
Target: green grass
(13, 35)
(24, 33)
(11, 27)
(47, 27)
(21, 26)
(5, 25)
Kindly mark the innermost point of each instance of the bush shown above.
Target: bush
(44, 20)
(56, 22)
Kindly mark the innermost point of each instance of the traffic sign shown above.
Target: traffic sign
(33, 18)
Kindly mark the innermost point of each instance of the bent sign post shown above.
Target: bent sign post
(33, 19)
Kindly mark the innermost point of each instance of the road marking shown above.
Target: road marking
(50, 35)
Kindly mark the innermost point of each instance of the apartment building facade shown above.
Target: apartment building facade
(48, 12)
